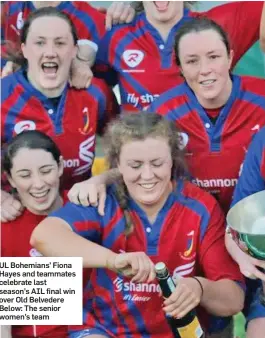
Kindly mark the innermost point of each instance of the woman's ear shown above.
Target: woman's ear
(24, 50)
(11, 181)
(231, 57)
(181, 72)
(60, 166)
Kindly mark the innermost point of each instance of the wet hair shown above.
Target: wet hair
(16, 55)
(30, 139)
(139, 7)
(138, 127)
(198, 25)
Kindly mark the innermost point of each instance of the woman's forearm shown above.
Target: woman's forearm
(222, 298)
(53, 237)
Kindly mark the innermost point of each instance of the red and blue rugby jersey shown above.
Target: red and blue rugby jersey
(88, 21)
(145, 63)
(15, 242)
(72, 124)
(188, 235)
(252, 178)
(215, 151)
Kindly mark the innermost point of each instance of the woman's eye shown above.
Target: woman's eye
(24, 176)
(191, 61)
(40, 43)
(46, 172)
(136, 165)
(156, 165)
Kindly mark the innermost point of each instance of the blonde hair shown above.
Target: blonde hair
(135, 127)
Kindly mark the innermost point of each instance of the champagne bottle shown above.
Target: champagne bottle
(186, 327)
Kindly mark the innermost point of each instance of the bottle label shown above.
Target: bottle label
(192, 330)
(171, 284)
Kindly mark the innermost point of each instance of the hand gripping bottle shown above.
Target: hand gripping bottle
(186, 327)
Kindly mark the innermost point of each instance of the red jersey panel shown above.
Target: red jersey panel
(145, 63)
(72, 123)
(215, 151)
(188, 235)
(15, 242)
(88, 21)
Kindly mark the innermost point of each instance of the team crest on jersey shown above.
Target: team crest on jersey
(20, 21)
(133, 57)
(24, 125)
(188, 254)
(85, 129)
(184, 140)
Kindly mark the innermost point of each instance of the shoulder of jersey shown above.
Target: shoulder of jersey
(172, 93)
(99, 85)
(87, 8)
(255, 84)
(8, 83)
(127, 27)
(98, 82)
(192, 191)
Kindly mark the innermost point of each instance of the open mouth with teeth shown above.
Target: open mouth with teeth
(148, 186)
(207, 82)
(40, 195)
(161, 6)
(50, 68)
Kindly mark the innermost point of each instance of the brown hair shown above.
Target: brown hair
(199, 25)
(139, 126)
(14, 54)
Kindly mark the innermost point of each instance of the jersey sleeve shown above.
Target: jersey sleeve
(93, 20)
(241, 20)
(108, 107)
(215, 262)
(84, 221)
(103, 68)
(252, 178)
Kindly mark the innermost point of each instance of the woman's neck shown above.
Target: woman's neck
(50, 93)
(220, 100)
(164, 28)
(41, 4)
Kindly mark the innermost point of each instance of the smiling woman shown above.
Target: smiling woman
(149, 217)
(33, 164)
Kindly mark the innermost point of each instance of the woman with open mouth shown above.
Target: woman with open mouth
(39, 97)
